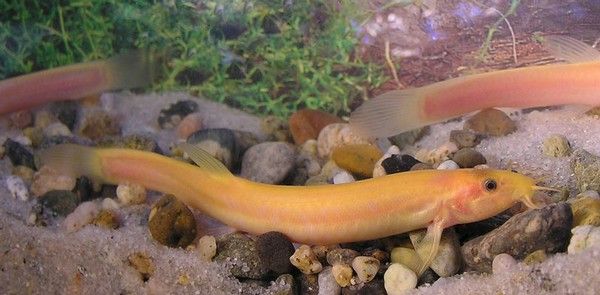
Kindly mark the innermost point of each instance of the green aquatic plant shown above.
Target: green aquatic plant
(264, 56)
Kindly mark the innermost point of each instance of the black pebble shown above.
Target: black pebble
(66, 112)
(84, 189)
(18, 154)
(181, 108)
(398, 163)
(60, 202)
(275, 249)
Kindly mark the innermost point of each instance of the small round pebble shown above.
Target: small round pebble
(366, 267)
(556, 146)
(107, 219)
(398, 163)
(82, 215)
(464, 138)
(448, 165)
(220, 143)
(18, 153)
(343, 177)
(342, 274)
(491, 122)
(57, 129)
(100, 124)
(379, 170)
(17, 188)
(171, 222)
(305, 260)
(502, 263)
(584, 236)
(535, 257)
(276, 128)
(468, 158)
(207, 247)
(21, 119)
(110, 204)
(131, 194)
(398, 279)
(275, 250)
(268, 162)
(60, 202)
(327, 283)
(141, 262)
(23, 172)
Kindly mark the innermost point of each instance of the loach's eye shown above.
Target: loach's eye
(490, 185)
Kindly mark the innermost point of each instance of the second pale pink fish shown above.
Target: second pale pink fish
(577, 82)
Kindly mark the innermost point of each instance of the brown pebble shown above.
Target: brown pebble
(491, 122)
(358, 159)
(143, 264)
(306, 124)
(100, 124)
(468, 158)
(190, 124)
(464, 138)
(21, 119)
(107, 219)
(172, 223)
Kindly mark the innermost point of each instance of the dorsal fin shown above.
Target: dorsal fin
(569, 49)
(204, 160)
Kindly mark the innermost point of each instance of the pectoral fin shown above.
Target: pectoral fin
(428, 246)
(570, 49)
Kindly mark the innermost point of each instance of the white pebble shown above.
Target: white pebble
(391, 17)
(343, 177)
(481, 166)
(22, 139)
(502, 263)
(110, 204)
(306, 261)
(398, 279)
(448, 259)
(327, 283)
(584, 236)
(442, 153)
(207, 246)
(130, 194)
(366, 267)
(17, 188)
(448, 165)
(57, 129)
(83, 215)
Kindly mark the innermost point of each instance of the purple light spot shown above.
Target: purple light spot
(466, 12)
(577, 11)
(431, 28)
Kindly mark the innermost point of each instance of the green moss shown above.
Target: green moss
(263, 56)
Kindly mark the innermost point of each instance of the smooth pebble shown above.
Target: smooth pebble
(131, 194)
(327, 283)
(366, 267)
(502, 263)
(82, 215)
(305, 260)
(207, 247)
(17, 188)
(448, 165)
(398, 279)
(343, 177)
(584, 236)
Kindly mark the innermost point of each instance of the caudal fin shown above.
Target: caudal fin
(389, 114)
(73, 160)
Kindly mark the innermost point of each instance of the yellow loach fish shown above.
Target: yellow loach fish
(129, 70)
(319, 215)
(403, 110)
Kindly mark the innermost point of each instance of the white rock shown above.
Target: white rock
(17, 188)
(22, 139)
(57, 129)
(334, 135)
(327, 283)
(584, 236)
(130, 194)
(448, 165)
(306, 261)
(81, 216)
(47, 179)
(398, 279)
(502, 263)
(343, 177)
(448, 259)
(442, 153)
(110, 204)
(366, 267)
(207, 247)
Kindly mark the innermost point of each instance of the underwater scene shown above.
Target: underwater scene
(300, 147)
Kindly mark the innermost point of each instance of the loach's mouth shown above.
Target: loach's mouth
(528, 200)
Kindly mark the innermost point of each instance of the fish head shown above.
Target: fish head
(487, 192)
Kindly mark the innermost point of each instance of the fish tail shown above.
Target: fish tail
(74, 160)
(389, 114)
(132, 69)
